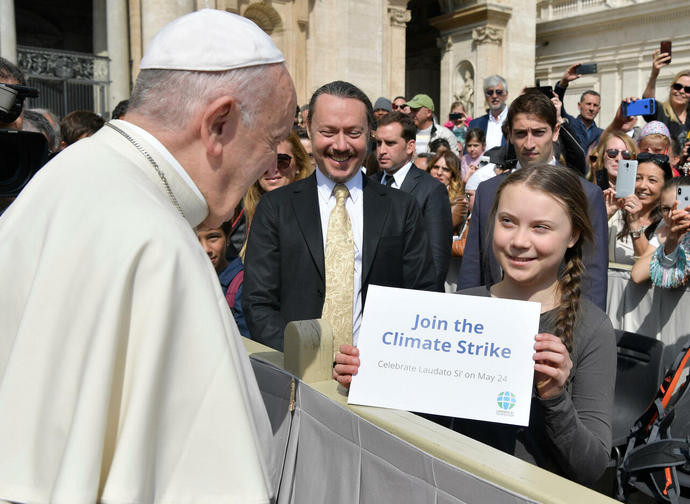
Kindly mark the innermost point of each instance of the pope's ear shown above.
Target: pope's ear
(218, 124)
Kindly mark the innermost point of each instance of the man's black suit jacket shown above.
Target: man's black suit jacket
(432, 197)
(284, 277)
(479, 265)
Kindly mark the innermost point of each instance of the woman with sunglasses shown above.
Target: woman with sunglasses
(293, 164)
(612, 147)
(673, 112)
(637, 223)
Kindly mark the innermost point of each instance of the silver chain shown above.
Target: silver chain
(153, 163)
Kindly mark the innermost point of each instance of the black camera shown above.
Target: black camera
(12, 100)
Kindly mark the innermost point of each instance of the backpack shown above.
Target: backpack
(655, 462)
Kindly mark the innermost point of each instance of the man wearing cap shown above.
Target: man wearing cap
(422, 113)
(122, 373)
(316, 245)
(382, 106)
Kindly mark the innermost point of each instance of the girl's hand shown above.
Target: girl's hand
(346, 364)
(552, 365)
(470, 172)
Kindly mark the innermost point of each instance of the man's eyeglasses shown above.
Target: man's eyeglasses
(490, 92)
(678, 87)
(284, 161)
(613, 153)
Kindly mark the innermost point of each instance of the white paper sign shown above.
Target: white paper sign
(447, 354)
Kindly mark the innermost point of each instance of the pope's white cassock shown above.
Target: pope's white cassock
(123, 378)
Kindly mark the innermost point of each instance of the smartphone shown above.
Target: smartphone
(456, 116)
(587, 68)
(645, 106)
(547, 90)
(683, 197)
(483, 161)
(625, 180)
(665, 47)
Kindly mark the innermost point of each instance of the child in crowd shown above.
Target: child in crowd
(230, 273)
(475, 145)
(655, 138)
(539, 246)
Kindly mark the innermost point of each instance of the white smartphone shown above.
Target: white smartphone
(625, 180)
(683, 197)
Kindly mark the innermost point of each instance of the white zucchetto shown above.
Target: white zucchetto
(210, 40)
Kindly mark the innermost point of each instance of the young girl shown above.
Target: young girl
(540, 223)
(475, 144)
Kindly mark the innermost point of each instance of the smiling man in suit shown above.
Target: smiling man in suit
(316, 245)
(395, 147)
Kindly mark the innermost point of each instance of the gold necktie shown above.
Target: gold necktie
(340, 267)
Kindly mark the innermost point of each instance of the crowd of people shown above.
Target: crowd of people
(299, 210)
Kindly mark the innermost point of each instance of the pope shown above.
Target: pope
(122, 373)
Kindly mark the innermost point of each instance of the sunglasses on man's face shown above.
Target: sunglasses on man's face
(679, 87)
(613, 153)
(490, 92)
(284, 161)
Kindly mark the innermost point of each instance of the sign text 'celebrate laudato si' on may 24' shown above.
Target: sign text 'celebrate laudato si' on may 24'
(447, 354)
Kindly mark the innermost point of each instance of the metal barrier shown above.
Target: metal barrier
(405, 453)
(66, 80)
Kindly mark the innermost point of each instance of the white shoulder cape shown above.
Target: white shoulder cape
(123, 378)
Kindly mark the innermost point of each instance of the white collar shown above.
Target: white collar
(325, 185)
(501, 117)
(399, 175)
(552, 163)
(163, 151)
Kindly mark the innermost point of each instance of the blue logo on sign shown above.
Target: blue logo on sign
(506, 400)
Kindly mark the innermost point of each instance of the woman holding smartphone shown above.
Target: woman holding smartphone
(539, 247)
(674, 111)
(635, 225)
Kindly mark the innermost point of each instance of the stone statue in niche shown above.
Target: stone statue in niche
(465, 86)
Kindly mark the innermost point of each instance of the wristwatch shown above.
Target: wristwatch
(638, 232)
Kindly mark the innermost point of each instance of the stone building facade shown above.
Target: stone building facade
(444, 48)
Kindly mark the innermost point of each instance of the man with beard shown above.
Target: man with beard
(496, 92)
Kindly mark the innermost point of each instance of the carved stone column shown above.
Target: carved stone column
(146, 17)
(8, 31)
(398, 16)
(118, 51)
(471, 37)
(488, 43)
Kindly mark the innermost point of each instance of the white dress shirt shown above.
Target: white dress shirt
(398, 176)
(494, 133)
(355, 209)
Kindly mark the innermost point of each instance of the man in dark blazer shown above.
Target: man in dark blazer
(496, 93)
(395, 147)
(285, 269)
(532, 129)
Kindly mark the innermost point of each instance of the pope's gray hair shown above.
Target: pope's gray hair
(494, 80)
(172, 97)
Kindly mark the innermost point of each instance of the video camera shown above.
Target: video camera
(12, 100)
(22, 153)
